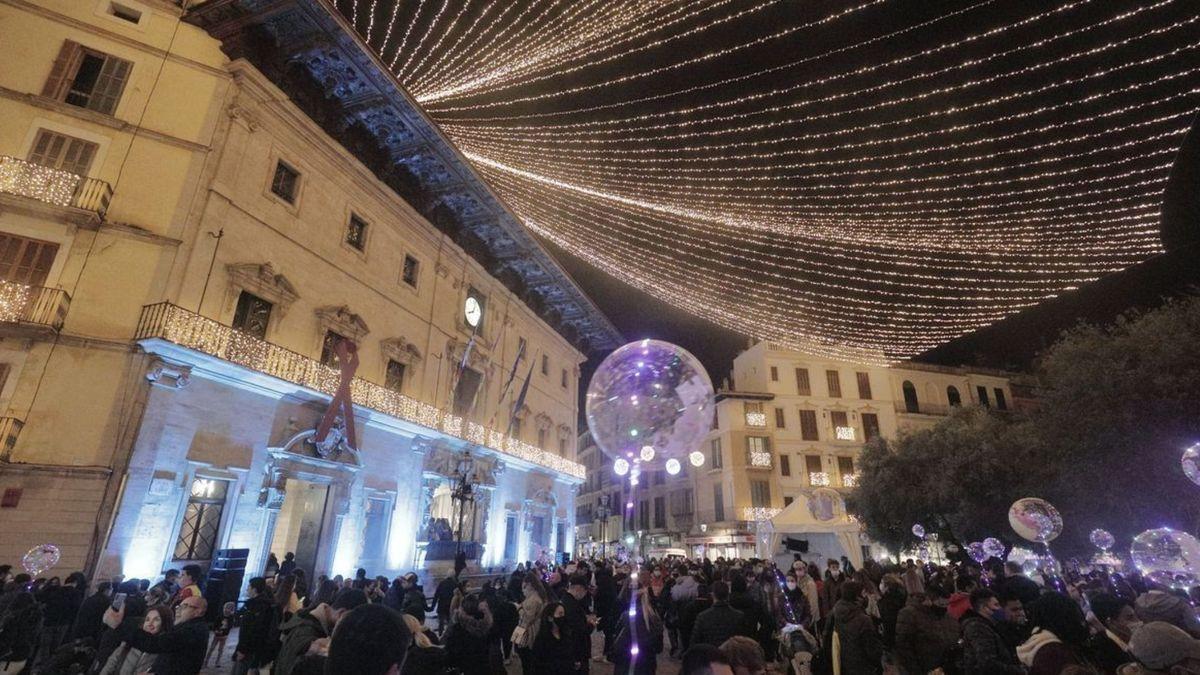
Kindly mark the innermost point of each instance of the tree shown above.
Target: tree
(1118, 406)
(956, 478)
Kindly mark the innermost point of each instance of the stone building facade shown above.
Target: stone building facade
(188, 247)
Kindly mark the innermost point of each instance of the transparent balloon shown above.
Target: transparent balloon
(976, 552)
(40, 558)
(918, 531)
(1191, 463)
(1035, 519)
(1167, 556)
(651, 401)
(993, 547)
(1101, 539)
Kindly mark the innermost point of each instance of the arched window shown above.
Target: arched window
(910, 398)
(953, 397)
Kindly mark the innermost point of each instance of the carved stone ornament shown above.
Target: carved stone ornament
(263, 281)
(343, 322)
(168, 375)
(400, 350)
(543, 422)
(443, 463)
(565, 431)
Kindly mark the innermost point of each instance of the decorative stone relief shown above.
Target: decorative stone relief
(263, 281)
(168, 375)
(342, 321)
(400, 350)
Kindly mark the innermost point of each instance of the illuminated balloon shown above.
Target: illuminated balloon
(1035, 520)
(696, 458)
(652, 400)
(976, 552)
(1191, 463)
(993, 547)
(1101, 539)
(1167, 556)
(918, 531)
(40, 558)
(673, 466)
(620, 467)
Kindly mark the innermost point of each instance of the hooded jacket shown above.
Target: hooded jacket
(1156, 605)
(861, 647)
(923, 637)
(297, 634)
(1044, 654)
(467, 643)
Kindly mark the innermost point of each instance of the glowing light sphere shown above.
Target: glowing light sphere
(918, 531)
(40, 558)
(673, 409)
(1191, 463)
(1167, 556)
(976, 552)
(993, 547)
(1101, 539)
(620, 466)
(1035, 519)
(696, 458)
(673, 466)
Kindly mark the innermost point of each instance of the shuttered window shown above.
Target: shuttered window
(59, 151)
(87, 78)
(25, 261)
(808, 425)
(864, 385)
(870, 426)
(803, 387)
(835, 384)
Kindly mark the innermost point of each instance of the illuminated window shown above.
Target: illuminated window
(758, 452)
(842, 430)
(87, 78)
(201, 520)
(846, 470)
(329, 348)
(755, 417)
(253, 315)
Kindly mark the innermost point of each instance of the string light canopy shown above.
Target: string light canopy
(861, 179)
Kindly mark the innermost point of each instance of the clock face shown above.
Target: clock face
(473, 312)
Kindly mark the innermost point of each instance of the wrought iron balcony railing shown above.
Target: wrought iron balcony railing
(53, 186)
(34, 305)
(10, 429)
(188, 329)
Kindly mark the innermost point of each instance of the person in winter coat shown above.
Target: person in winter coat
(466, 639)
(19, 626)
(442, 596)
(756, 622)
(505, 619)
(1058, 638)
(529, 616)
(720, 622)
(914, 580)
(1109, 647)
(604, 603)
(641, 631)
(924, 632)
(831, 588)
(182, 648)
(1157, 604)
(126, 660)
(553, 651)
(893, 599)
(808, 587)
(90, 619)
(960, 601)
(298, 633)
(255, 647)
(426, 656)
(288, 565)
(688, 613)
(60, 605)
(861, 647)
(580, 620)
(414, 597)
(984, 651)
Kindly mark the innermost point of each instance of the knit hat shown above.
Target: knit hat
(1160, 645)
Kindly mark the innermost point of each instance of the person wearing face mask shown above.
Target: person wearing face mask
(984, 651)
(861, 650)
(1162, 649)
(1012, 622)
(553, 651)
(831, 590)
(893, 599)
(1118, 622)
(801, 611)
(1059, 636)
(808, 588)
(925, 633)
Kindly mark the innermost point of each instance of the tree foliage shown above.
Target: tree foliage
(1117, 405)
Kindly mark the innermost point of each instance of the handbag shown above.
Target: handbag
(519, 637)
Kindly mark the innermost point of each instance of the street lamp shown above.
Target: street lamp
(463, 494)
(602, 513)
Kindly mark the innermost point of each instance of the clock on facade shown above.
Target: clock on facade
(473, 312)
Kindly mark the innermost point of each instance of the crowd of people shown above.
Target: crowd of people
(711, 617)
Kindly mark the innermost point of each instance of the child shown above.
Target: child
(220, 633)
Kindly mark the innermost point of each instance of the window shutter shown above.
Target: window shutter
(64, 68)
(110, 84)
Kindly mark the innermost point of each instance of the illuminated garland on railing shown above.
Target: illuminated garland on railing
(193, 331)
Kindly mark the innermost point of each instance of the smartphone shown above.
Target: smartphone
(118, 601)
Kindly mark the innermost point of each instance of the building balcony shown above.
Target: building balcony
(186, 329)
(924, 409)
(53, 186)
(10, 429)
(35, 307)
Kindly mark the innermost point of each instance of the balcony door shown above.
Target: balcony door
(25, 261)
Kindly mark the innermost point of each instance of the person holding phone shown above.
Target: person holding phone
(128, 660)
(182, 648)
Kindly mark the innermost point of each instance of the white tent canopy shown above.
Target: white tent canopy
(820, 518)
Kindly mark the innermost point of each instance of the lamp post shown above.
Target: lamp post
(603, 511)
(463, 494)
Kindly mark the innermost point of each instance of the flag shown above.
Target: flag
(520, 401)
(512, 374)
